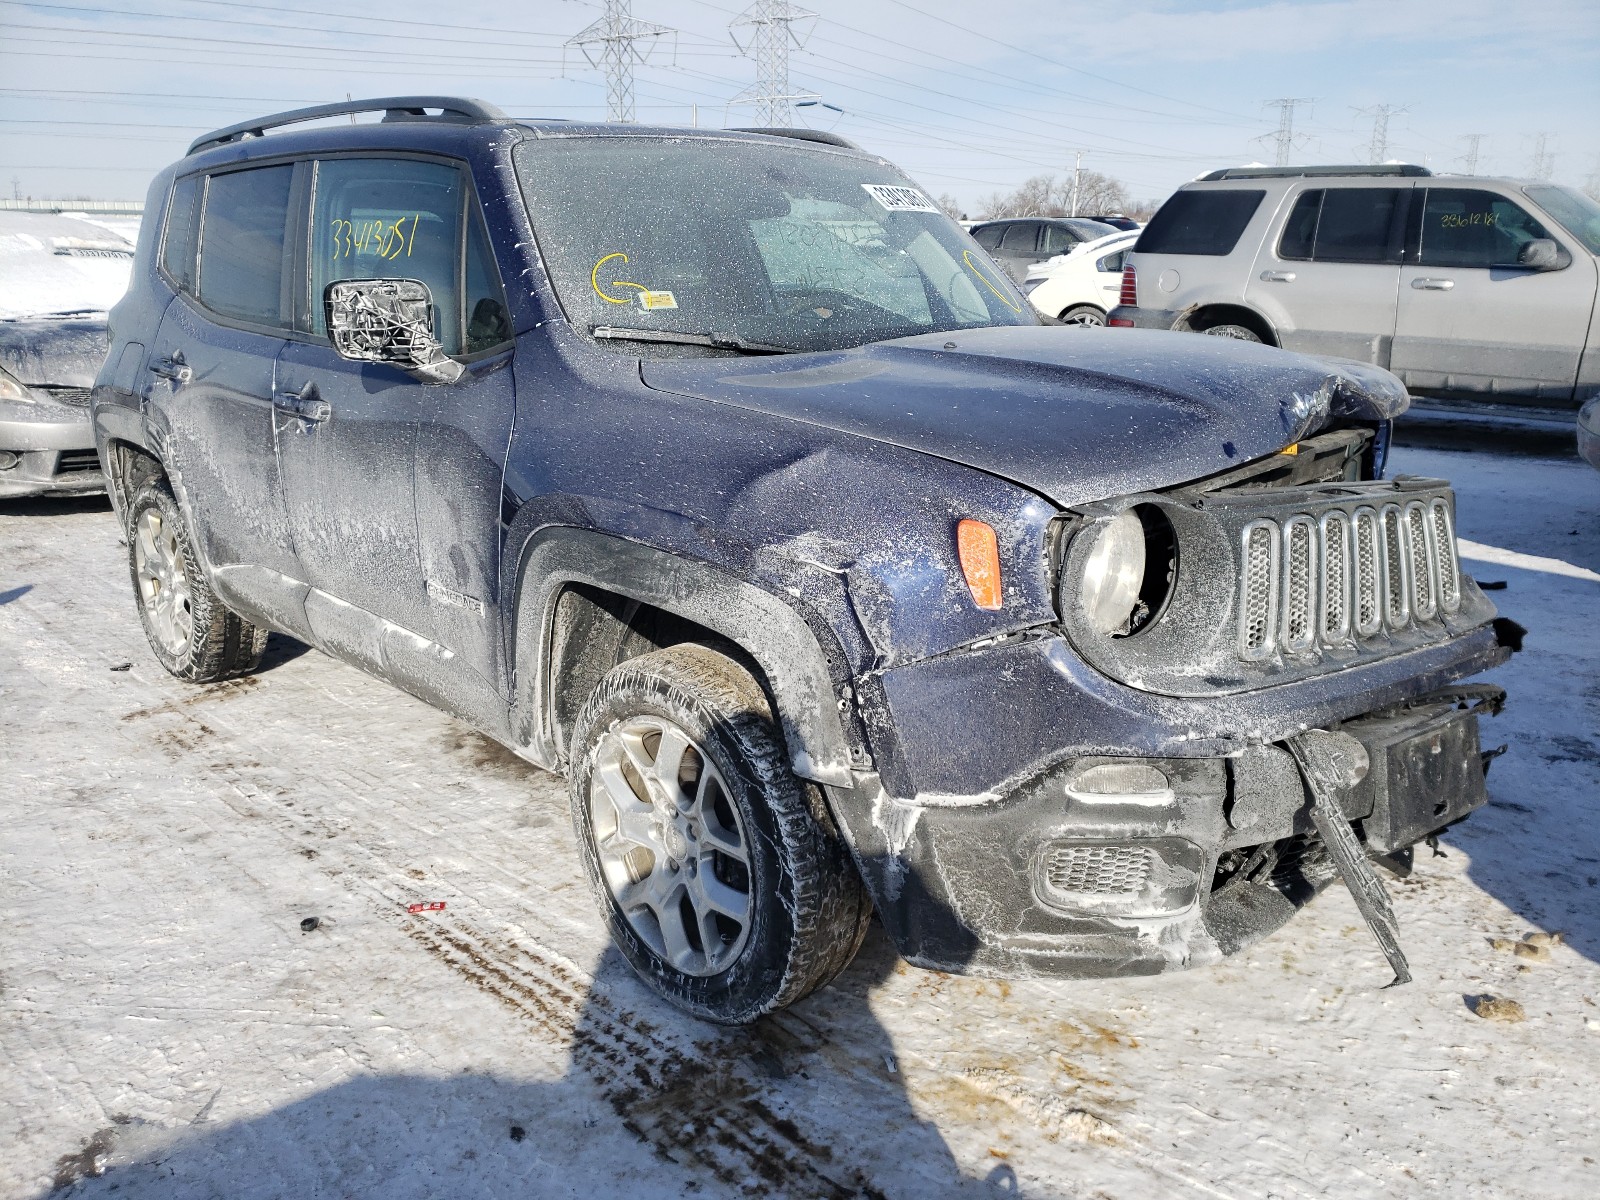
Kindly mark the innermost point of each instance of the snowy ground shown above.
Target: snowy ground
(165, 1019)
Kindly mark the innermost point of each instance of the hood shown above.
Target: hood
(54, 351)
(1076, 415)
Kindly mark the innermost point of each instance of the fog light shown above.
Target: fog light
(8, 459)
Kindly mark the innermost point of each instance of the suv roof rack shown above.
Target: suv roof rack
(1314, 172)
(804, 135)
(394, 108)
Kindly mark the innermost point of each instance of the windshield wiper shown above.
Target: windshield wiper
(720, 341)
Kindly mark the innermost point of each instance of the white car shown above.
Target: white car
(1080, 287)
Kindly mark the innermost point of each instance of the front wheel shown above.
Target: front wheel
(721, 875)
(194, 635)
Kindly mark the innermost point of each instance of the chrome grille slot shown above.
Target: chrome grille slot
(1097, 870)
(1424, 568)
(1335, 531)
(1258, 594)
(1396, 569)
(1444, 556)
(1299, 584)
(1368, 580)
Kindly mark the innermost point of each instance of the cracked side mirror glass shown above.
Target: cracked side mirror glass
(388, 321)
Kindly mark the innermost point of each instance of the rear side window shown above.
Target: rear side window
(179, 238)
(989, 236)
(1200, 222)
(1465, 227)
(1058, 239)
(241, 245)
(1021, 237)
(383, 218)
(1347, 225)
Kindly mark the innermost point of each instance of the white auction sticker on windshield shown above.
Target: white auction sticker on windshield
(896, 198)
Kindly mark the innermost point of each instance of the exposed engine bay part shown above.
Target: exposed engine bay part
(1331, 763)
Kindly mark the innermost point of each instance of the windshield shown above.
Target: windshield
(784, 246)
(1575, 212)
(51, 266)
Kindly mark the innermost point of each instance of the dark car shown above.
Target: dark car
(1117, 221)
(58, 276)
(721, 471)
(1016, 244)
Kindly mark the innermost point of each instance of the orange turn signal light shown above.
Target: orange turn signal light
(980, 562)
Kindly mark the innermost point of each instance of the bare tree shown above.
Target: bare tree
(1047, 196)
(951, 206)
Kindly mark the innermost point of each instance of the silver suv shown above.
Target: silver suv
(1461, 286)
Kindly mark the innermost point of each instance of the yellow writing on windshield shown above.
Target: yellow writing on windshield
(378, 236)
(594, 282)
(966, 257)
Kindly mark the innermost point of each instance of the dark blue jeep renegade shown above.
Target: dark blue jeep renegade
(723, 472)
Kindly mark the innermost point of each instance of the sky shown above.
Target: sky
(968, 98)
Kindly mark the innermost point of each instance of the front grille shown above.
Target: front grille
(78, 397)
(71, 461)
(1345, 576)
(1097, 870)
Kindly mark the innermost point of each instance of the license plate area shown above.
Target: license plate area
(1427, 772)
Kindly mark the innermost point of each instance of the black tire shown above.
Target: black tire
(1231, 329)
(1085, 316)
(219, 643)
(808, 907)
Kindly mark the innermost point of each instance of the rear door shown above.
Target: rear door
(393, 486)
(210, 396)
(1472, 320)
(1019, 248)
(1328, 282)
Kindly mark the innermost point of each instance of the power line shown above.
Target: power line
(612, 45)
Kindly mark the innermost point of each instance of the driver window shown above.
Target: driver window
(379, 218)
(1465, 227)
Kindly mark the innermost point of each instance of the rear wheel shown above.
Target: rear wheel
(194, 635)
(1239, 333)
(722, 877)
(1085, 316)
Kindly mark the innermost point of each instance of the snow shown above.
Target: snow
(36, 279)
(165, 1020)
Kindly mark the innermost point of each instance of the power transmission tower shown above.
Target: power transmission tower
(1077, 174)
(612, 45)
(1473, 140)
(1284, 137)
(769, 30)
(1544, 162)
(1378, 147)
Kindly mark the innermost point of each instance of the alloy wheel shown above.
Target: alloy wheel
(163, 582)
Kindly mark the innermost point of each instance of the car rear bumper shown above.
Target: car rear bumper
(1126, 316)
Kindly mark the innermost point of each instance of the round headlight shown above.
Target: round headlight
(1113, 574)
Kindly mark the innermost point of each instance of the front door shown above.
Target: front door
(393, 485)
(1472, 320)
(1328, 286)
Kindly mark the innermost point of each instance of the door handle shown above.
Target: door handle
(1433, 285)
(172, 367)
(1278, 276)
(305, 404)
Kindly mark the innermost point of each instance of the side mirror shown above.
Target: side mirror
(1541, 254)
(388, 321)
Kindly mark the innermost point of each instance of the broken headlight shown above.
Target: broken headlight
(1127, 574)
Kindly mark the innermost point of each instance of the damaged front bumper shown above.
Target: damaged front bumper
(1179, 846)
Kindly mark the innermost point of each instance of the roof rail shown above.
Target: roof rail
(804, 135)
(1314, 172)
(394, 108)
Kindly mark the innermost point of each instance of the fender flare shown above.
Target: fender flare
(787, 649)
